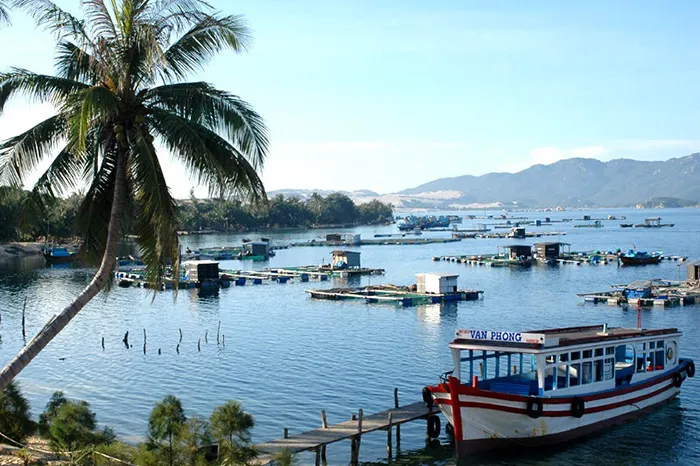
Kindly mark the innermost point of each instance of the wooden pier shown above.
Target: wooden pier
(316, 440)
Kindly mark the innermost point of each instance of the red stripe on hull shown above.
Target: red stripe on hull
(468, 447)
(514, 410)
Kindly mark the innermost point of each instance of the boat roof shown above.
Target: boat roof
(200, 262)
(438, 274)
(551, 338)
(552, 243)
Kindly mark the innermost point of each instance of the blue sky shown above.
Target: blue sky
(385, 95)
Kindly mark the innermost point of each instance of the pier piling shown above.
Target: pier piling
(388, 437)
(398, 426)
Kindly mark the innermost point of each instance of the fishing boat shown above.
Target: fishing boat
(626, 225)
(59, 255)
(632, 257)
(512, 389)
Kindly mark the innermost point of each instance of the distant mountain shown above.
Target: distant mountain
(576, 183)
(306, 193)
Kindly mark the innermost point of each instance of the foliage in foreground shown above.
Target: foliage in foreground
(15, 415)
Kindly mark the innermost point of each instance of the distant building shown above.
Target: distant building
(517, 251)
(694, 270)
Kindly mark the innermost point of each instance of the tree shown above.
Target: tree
(164, 424)
(15, 416)
(118, 87)
(194, 437)
(375, 212)
(57, 400)
(231, 426)
(73, 427)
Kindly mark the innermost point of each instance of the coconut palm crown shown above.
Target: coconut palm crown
(118, 89)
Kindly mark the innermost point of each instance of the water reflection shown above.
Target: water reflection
(433, 315)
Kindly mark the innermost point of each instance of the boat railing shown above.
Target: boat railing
(445, 376)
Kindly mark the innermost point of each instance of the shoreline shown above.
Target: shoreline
(16, 250)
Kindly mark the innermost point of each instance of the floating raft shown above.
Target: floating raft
(392, 294)
(527, 234)
(647, 293)
(316, 271)
(377, 242)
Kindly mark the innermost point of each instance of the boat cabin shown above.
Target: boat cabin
(346, 259)
(518, 251)
(517, 232)
(562, 362)
(652, 222)
(436, 283)
(552, 250)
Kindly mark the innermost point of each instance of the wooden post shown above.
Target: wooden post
(324, 424)
(206, 336)
(126, 339)
(180, 330)
(286, 432)
(177, 349)
(103, 343)
(318, 456)
(218, 331)
(223, 340)
(24, 308)
(398, 426)
(144, 336)
(199, 345)
(355, 450)
(388, 437)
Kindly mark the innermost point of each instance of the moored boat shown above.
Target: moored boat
(640, 258)
(59, 255)
(514, 390)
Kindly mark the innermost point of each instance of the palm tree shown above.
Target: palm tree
(117, 88)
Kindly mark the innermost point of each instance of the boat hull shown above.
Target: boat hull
(493, 420)
(640, 260)
(59, 259)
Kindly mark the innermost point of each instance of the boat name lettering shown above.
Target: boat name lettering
(494, 335)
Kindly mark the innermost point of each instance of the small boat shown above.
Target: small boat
(626, 225)
(59, 255)
(654, 222)
(640, 258)
(518, 390)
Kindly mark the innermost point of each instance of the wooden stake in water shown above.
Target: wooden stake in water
(126, 339)
(218, 330)
(24, 308)
(180, 330)
(103, 343)
(199, 345)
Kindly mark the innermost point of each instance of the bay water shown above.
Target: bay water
(286, 357)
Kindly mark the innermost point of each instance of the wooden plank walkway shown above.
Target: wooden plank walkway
(315, 439)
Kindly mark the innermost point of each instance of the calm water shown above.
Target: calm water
(286, 357)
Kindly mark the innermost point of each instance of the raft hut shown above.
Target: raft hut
(345, 259)
(693, 273)
(551, 250)
(648, 293)
(429, 288)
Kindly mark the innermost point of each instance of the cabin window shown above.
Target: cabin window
(609, 369)
(563, 357)
(598, 352)
(650, 356)
(587, 354)
(574, 374)
(598, 370)
(575, 355)
(587, 373)
(609, 350)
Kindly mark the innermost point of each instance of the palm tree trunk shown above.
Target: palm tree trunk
(58, 322)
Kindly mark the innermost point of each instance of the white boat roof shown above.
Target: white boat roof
(552, 338)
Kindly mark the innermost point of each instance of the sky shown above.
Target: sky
(386, 95)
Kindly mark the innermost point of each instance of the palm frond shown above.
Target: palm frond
(21, 154)
(156, 211)
(58, 179)
(38, 87)
(209, 36)
(99, 19)
(85, 108)
(4, 14)
(76, 64)
(94, 212)
(218, 111)
(209, 157)
(54, 19)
